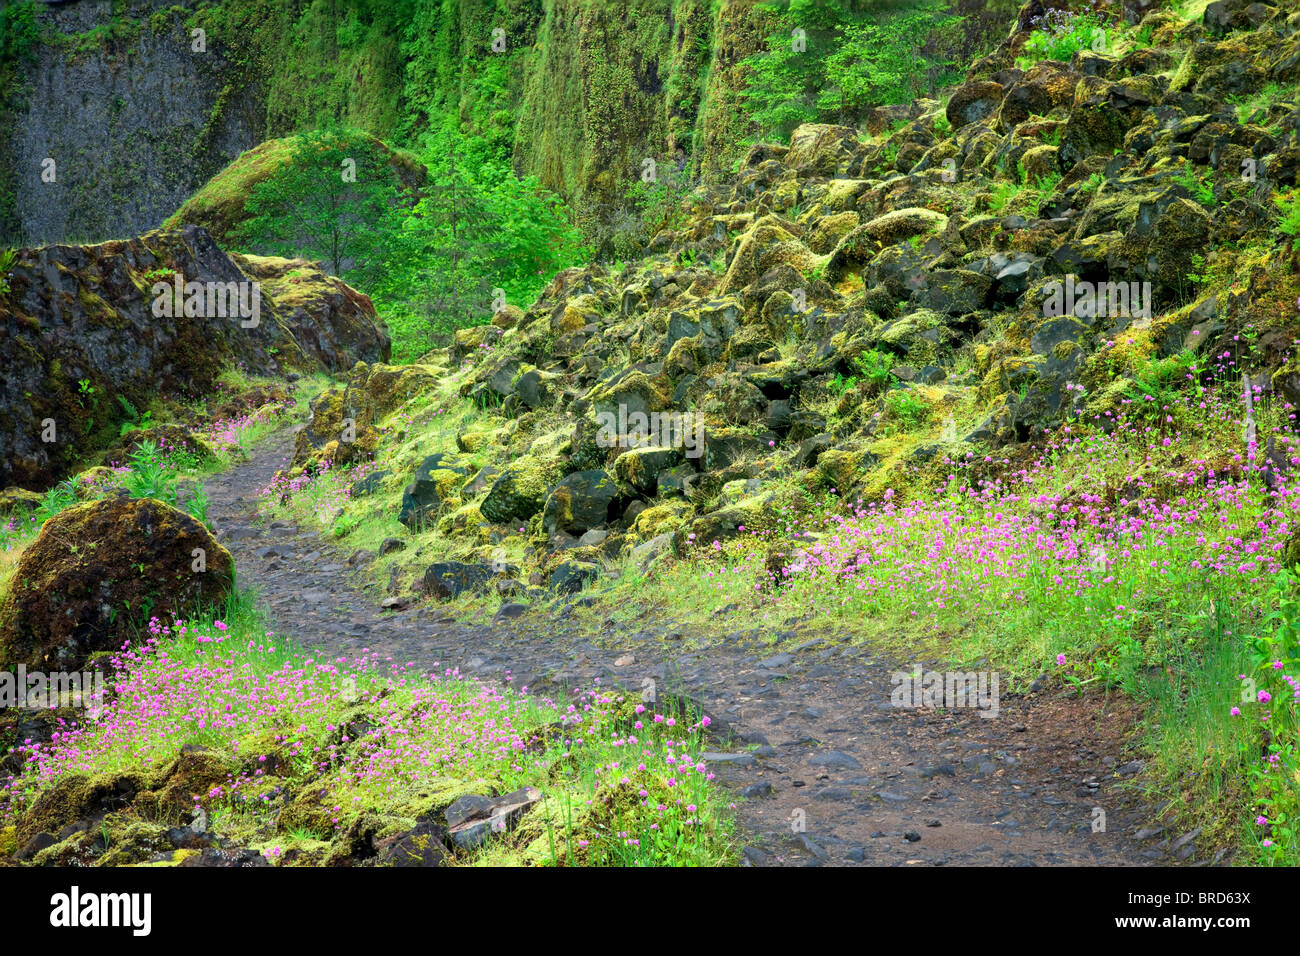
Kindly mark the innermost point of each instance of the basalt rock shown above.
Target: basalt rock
(98, 571)
(109, 316)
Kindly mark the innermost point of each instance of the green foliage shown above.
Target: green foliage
(1159, 384)
(59, 498)
(1003, 195)
(1143, 36)
(197, 507)
(907, 409)
(1092, 183)
(435, 258)
(151, 475)
(19, 31)
(1060, 35)
(1201, 191)
(134, 420)
(1247, 106)
(1289, 224)
(875, 367)
(477, 237)
(658, 204)
(325, 203)
(846, 58)
(1044, 186)
(871, 367)
(876, 62)
(8, 259)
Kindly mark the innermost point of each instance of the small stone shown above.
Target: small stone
(835, 760)
(734, 760)
(753, 856)
(911, 836)
(625, 660)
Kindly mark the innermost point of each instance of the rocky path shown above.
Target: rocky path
(830, 772)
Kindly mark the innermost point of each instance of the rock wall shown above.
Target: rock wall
(85, 314)
(581, 94)
(132, 117)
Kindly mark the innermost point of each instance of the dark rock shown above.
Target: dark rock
(423, 846)
(449, 579)
(435, 479)
(973, 102)
(580, 501)
(369, 484)
(570, 577)
(474, 819)
(835, 760)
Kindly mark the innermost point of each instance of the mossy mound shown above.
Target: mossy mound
(97, 571)
(219, 206)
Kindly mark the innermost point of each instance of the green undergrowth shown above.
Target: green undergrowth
(170, 466)
(359, 750)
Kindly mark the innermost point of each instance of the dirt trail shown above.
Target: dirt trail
(814, 738)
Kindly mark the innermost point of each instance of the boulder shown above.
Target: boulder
(435, 480)
(445, 580)
(973, 102)
(98, 314)
(518, 493)
(97, 571)
(579, 502)
(570, 577)
(473, 818)
(821, 150)
(639, 468)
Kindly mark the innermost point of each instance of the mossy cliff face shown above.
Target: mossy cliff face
(580, 92)
(848, 311)
(133, 118)
(78, 328)
(608, 86)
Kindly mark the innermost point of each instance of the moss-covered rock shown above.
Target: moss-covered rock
(519, 492)
(97, 571)
(579, 502)
(99, 315)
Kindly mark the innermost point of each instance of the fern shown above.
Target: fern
(1290, 221)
